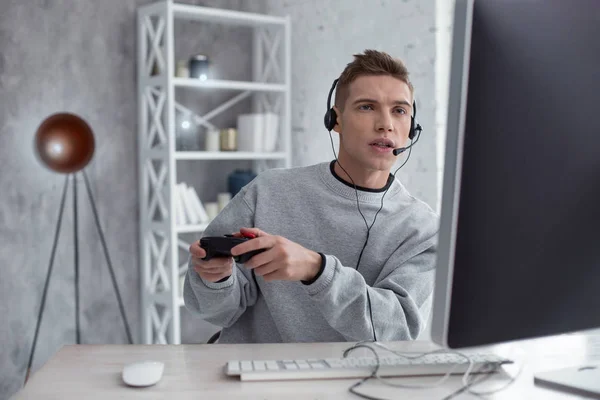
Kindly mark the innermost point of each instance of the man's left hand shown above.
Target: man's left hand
(282, 258)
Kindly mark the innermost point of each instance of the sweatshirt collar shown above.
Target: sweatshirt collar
(361, 188)
(345, 189)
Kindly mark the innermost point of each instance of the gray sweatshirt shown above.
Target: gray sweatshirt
(315, 208)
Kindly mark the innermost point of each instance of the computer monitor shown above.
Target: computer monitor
(519, 248)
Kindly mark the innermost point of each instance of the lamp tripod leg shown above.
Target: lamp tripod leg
(48, 275)
(76, 256)
(107, 256)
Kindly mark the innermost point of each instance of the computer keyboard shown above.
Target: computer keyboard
(356, 367)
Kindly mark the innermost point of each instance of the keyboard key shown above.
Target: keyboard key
(303, 364)
(388, 361)
(366, 362)
(351, 362)
(247, 366)
(334, 362)
(259, 365)
(317, 365)
(272, 365)
(290, 366)
(234, 366)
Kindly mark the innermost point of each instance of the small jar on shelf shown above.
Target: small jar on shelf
(229, 139)
(198, 67)
(212, 140)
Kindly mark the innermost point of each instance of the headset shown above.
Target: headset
(330, 121)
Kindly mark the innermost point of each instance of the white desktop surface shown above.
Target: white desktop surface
(196, 371)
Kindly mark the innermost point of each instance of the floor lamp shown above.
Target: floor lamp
(65, 144)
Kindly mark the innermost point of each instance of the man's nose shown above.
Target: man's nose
(384, 122)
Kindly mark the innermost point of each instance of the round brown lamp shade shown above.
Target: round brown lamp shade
(64, 143)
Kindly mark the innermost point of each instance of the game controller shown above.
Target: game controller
(220, 246)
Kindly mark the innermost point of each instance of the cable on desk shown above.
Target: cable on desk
(512, 379)
(467, 385)
(475, 380)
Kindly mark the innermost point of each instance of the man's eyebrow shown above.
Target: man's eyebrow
(367, 100)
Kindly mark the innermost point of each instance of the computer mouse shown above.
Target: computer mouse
(143, 373)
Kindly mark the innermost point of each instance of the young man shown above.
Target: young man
(305, 286)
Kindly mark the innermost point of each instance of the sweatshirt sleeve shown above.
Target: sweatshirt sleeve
(398, 299)
(222, 303)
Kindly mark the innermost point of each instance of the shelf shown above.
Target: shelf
(231, 85)
(191, 228)
(227, 155)
(214, 15)
(163, 242)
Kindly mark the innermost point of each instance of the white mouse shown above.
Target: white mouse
(144, 373)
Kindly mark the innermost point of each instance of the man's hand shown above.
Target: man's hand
(282, 258)
(213, 270)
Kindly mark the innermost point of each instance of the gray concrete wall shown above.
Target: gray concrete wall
(61, 55)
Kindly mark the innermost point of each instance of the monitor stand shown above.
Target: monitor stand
(583, 380)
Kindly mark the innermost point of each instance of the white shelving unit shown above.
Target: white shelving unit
(160, 243)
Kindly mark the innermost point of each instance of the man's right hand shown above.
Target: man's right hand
(213, 270)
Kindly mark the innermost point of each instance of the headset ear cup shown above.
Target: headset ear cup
(330, 115)
(411, 133)
(330, 119)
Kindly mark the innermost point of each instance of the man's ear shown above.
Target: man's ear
(338, 120)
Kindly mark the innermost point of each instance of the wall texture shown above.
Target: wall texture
(60, 55)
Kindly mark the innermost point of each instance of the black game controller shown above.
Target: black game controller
(220, 246)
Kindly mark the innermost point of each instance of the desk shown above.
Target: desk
(195, 371)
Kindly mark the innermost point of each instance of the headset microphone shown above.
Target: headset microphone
(401, 150)
(415, 130)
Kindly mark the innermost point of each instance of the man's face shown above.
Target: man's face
(375, 120)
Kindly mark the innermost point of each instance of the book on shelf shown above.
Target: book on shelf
(197, 205)
(180, 217)
(188, 207)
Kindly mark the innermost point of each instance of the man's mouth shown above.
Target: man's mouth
(382, 143)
